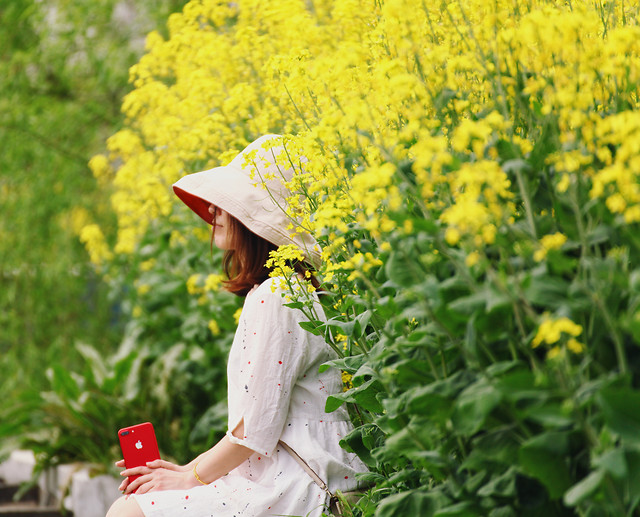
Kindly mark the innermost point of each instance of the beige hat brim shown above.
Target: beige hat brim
(231, 190)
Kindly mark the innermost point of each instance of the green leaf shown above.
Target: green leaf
(62, 383)
(414, 503)
(361, 441)
(345, 327)
(546, 291)
(350, 363)
(497, 447)
(422, 401)
(544, 457)
(503, 485)
(333, 403)
(549, 415)
(632, 460)
(95, 361)
(516, 164)
(613, 462)
(370, 478)
(620, 410)
(312, 326)
(473, 407)
(583, 489)
(363, 395)
(463, 509)
(520, 387)
(399, 270)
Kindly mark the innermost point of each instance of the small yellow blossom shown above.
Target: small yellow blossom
(472, 259)
(92, 237)
(213, 282)
(554, 352)
(214, 327)
(147, 265)
(143, 289)
(549, 242)
(563, 184)
(551, 330)
(575, 346)
(346, 381)
(452, 236)
(192, 284)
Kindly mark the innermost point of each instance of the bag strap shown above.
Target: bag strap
(307, 468)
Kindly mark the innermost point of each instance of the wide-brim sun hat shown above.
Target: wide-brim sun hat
(252, 188)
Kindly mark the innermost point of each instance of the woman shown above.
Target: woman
(275, 393)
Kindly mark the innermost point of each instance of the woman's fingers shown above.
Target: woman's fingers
(162, 464)
(123, 485)
(145, 487)
(120, 463)
(138, 485)
(136, 471)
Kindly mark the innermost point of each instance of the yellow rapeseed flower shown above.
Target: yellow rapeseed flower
(193, 284)
(214, 327)
(549, 242)
(551, 330)
(93, 239)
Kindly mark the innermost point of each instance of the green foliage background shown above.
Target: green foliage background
(456, 412)
(63, 73)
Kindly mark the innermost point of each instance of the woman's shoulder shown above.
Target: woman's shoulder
(268, 296)
(272, 295)
(270, 289)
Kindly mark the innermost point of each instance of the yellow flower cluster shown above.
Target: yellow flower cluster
(192, 284)
(481, 202)
(281, 260)
(549, 242)
(214, 327)
(383, 98)
(92, 237)
(550, 332)
(619, 181)
(346, 381)
(212, 282)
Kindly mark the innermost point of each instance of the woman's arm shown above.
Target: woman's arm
(210, 465)
(221, 458)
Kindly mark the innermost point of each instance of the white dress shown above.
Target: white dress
(274, 384)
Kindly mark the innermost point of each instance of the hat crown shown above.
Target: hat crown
(254, 189)
(265, 162)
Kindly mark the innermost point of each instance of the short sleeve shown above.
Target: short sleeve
(268, 356)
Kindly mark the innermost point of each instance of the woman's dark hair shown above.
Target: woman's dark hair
(244, 263)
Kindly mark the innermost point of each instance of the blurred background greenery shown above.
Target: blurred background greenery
(63, 73)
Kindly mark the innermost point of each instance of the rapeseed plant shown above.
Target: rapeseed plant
(467, 167)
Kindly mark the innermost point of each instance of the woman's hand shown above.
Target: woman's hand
(156, 475)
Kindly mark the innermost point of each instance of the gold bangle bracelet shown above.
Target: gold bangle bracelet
(196, 475)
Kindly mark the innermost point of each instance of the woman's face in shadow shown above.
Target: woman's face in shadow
(221, 228)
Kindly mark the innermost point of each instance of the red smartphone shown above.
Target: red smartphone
(139, 445)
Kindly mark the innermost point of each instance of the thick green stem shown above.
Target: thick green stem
(617, 340)
(527, 203)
